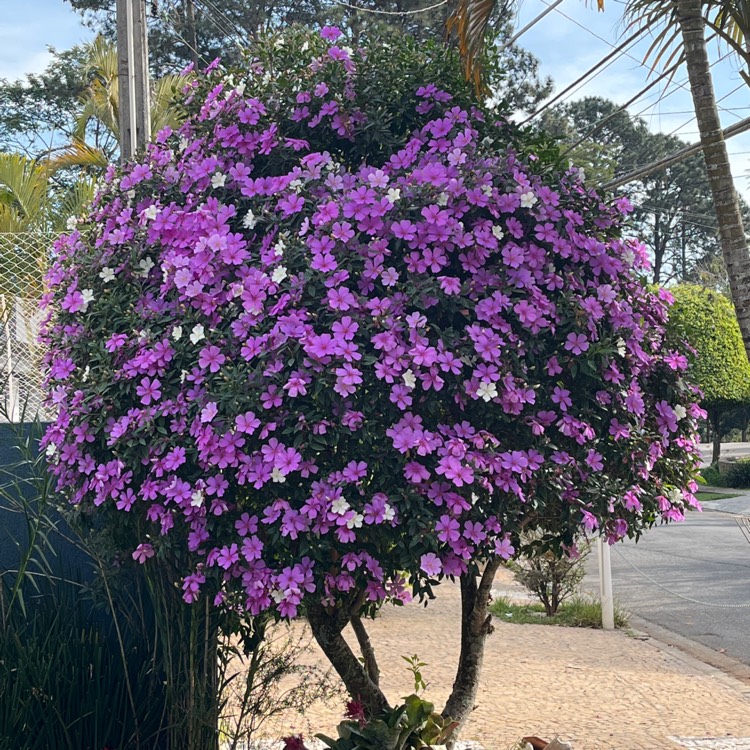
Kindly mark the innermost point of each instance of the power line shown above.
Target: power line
(630, 101)
(396, 12)
(667, 161)
(213, 14)
(607, 118)
(531, 24)
(607, 60)
(168, 21)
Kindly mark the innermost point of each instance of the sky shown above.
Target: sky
(567, 42)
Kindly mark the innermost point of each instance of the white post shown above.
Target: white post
(605, 584)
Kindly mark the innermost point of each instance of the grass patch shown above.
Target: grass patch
(576, 613)
(707, 497)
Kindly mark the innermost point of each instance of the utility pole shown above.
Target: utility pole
(192, 33)
(132, 71)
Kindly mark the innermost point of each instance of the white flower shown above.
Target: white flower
(498, 232)
(487, 390)
(629, 257)
(145, 267)
(340, 506)
(621, 347)
(355, 522)
(177, 333)
(388, 514)
(277, 475)
(279, 247)
(249, 221)
(88, 297)
(183, 143)
(218, 180)
(183, 375)
(130, 194)
(51, 450)
(107, 274)
(196, 499)
(528, 199)
(349, 51)
(675, 495)
(410, 380)
(71, 223)
(305, 46)
(278, 596)
(474, 498)
(487, 190)
(86, 374)
(680, 411)
(296, 185)
(394, 194)
(197, 334)
(442, 199)
(279, 274)
(151, 212)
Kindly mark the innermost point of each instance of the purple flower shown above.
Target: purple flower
(149, 390)
(577, 343)
(430, 564)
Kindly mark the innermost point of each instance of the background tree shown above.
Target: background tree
(719, 365)
(222, 28)
(673, 208)
(679, 27)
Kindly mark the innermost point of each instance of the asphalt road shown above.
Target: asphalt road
(728, 450)
(706, 558)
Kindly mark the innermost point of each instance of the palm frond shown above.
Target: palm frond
(468, 23)
(24, 183)
(166, 102)
(78, 154)
(73, 202)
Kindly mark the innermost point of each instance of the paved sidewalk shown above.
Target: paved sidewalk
(600, 690)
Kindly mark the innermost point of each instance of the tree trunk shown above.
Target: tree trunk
(326, 628)
(716, 425)
(476, 625)
(366, 647)
(726, 204)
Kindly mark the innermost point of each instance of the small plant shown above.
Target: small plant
(551, 576)
(410, 726)
(415, 667)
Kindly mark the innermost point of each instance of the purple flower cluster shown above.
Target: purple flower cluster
(356, 377)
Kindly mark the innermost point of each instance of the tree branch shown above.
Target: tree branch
(326, 628)
(476, 625)
(366, 647)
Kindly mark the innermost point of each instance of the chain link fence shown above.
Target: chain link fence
(24, 257)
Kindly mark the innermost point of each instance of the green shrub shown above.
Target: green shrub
(713, 476)
(738, 475)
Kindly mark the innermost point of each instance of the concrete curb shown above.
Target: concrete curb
(728, 670)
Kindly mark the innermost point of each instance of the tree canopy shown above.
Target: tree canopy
(719, 364)
(345, 334)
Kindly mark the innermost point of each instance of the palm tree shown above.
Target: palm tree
(683, 24)
(97, 130)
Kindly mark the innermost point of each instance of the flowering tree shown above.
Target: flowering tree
(330, 344)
